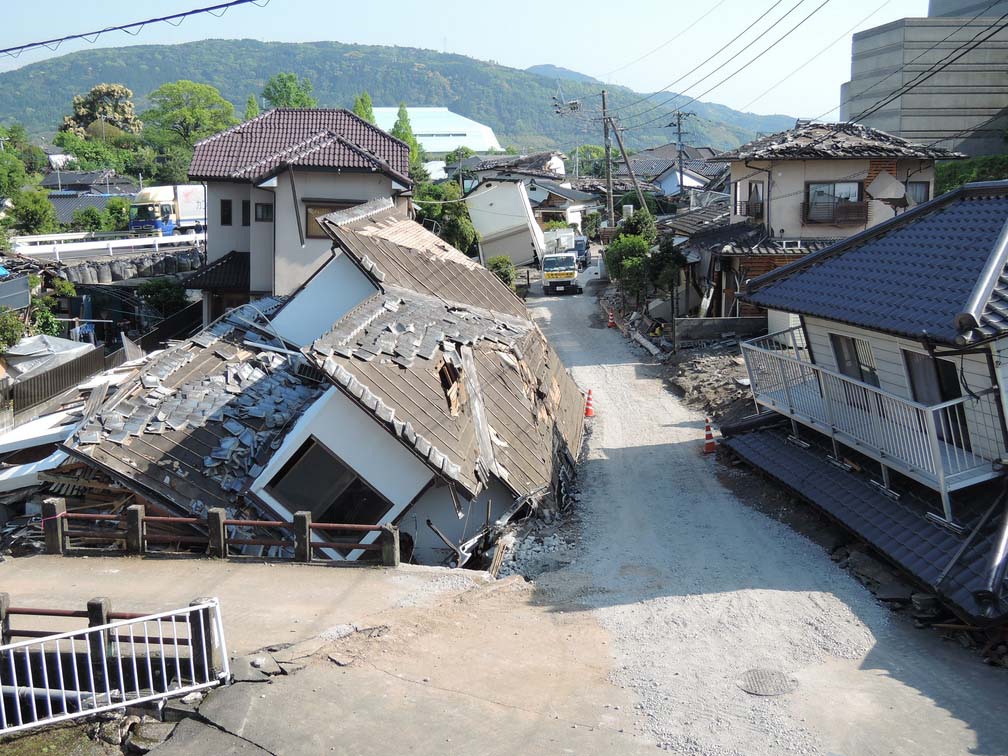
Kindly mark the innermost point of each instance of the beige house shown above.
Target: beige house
(268, 182)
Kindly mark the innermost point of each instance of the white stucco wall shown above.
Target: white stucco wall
(356, 438)
(296, 262)
(786, 191)
(328, 296)
(224, 239)
(501, 212)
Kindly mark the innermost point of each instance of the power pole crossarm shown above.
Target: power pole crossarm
(626, 160)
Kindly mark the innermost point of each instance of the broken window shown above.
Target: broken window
(451, 383)
(315, 480)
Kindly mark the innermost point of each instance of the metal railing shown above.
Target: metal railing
(837, 212)
(119, 660)
(749, 208)
(44, 386)
(64, 251)
(131, 533)
(945, 446)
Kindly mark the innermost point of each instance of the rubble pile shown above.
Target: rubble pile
(715, 380)
(541, 550)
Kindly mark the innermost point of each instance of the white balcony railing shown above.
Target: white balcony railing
(944, 446)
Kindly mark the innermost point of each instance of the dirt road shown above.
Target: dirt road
(696, 589)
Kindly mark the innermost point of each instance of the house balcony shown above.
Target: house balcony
(835, 212)
(944, 446)
(750, 209)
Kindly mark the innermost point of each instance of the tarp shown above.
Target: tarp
(37, 354)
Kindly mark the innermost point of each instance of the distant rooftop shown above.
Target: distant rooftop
(813, 140)
(439, 130)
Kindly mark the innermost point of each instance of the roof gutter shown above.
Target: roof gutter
(969, 318)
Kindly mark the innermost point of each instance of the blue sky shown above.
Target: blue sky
(587, 36)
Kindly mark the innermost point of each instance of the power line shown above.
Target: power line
(667, 42)
(740, 68)
(92, 36)
(832, 44)
(708, 60)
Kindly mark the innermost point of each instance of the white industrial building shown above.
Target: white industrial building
(439, 131)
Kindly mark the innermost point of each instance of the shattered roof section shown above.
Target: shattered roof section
(538, 161)
(435, 269)
(836, 141)
(715, 215)
(203, 418)
(512, 393)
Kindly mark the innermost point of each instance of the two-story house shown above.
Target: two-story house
(268, 182)
(894, 385)
(801, 189)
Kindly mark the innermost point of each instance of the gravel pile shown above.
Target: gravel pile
(537, 553)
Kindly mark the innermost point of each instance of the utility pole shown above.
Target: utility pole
(608, 158)
(626, 160)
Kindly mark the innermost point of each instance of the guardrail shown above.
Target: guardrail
(61, 251)
(74, 236)
(938, 445)
(130, 533)
(120, 659)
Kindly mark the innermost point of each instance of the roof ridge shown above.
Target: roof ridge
(233, 129)
(279, 154)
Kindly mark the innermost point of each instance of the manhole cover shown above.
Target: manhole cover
(766, 682)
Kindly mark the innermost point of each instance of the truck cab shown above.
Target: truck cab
(559, 272)
(152, 217)
(168, 210)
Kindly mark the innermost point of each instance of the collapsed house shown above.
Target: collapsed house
(401, 384)
(890, 391)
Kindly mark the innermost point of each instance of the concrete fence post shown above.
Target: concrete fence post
(218, 537)
(4, 618)
(389, 539)
(101, 649)
(54, 525)
(302, 537)
(205, 652)
(135, 541)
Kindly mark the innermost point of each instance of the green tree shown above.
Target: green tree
(116, 215)
(111, 103)
(12, 174)
(87, 219)
(44, 322)
(173, 165)
(630, 198)
(556, 225)
(183, 112)
(589, 159)
(642, 224)
(363, 107)
(91, 154)
(251, 107)
(590, 224)
(165, 296)
(286, 90)
(625, 259)
(33, 213)
(441, 205)
(403, 131)
(502, 267)
(12, 328)
(458, 155)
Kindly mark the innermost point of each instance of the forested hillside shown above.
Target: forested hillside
(517, 104)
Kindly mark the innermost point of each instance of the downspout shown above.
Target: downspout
(766, 201)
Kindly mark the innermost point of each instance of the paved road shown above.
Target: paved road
(695, 589)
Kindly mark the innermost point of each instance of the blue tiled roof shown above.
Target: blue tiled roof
(914, 273)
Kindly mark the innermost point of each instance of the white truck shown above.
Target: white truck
(169, 210)
(559, 272)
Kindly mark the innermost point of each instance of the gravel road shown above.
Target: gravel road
(695, 589)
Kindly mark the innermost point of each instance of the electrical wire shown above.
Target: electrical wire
(738, 70)
(667, 42)
(91, 37)
(832, 44)
(910, 63)
(708, 60)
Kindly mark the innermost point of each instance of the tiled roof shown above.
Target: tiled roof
(58, 179)
(646, 168)
(922, 548)
(310, 137)
(715, 215)
(939, 269)
(228, 273)
(833, 140)
(566, 192)
(67, 204)
(537, 162)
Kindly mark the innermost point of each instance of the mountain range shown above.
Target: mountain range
(517, 104)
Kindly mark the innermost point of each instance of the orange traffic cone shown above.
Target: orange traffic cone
(612, 319)
(589, 407)
(708, 446)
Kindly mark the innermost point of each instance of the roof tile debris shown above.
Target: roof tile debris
(538, 161)
(813, 140)
(299, 137)
(912, 274)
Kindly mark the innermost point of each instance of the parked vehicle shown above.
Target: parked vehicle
(169, 209)
(582, 252)
(559, 272)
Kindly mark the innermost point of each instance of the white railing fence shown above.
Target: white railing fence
(62, 251)
(75, 674)
(935, 442)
